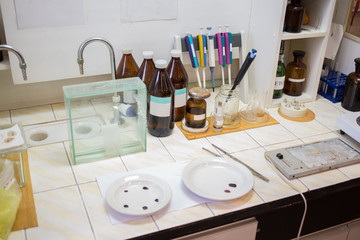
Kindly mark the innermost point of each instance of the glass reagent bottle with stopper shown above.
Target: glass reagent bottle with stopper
(295, 75)
(294, 16)
(195, 116)
(351, 100)
(179, 79)
(161, 102)
(280, 78)
(127, 68)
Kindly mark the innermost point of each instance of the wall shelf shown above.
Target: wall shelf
(267, 38)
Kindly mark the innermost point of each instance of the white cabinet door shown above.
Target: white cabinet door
(244, 230)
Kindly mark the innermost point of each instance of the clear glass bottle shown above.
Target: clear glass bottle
(179, 79)
(161, 102)
(195, 116)
(351, 100)
(229, 101)
(280, 78)
(295, 75)
(127, 68)
(147, 68)
(294, 16)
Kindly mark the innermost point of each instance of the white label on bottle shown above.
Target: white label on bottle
(199, 117)
(180, 97)
(279, 83)
(160, 106)
(296, 80)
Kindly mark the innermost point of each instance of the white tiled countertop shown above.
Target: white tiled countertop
(67, 197)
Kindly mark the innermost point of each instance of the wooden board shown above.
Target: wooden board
(243, 125)
(26, 215)
(309, 116)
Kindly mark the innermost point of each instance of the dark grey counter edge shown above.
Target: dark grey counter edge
(280, 219)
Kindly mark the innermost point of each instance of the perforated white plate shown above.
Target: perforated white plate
(138, 194)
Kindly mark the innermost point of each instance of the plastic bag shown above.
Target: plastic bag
(10, 197)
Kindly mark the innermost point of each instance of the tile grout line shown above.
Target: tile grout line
(79, 191)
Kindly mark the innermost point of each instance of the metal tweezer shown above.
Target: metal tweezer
(257, 174)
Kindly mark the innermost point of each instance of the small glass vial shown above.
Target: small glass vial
(229, 101)
(295, 75)
(294, 16)
(195, 116)
(218, 118)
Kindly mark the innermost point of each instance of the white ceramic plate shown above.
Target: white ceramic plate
(138, 194)
(217, 178)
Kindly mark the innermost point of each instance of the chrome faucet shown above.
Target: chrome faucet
(22, 63)
(116, 99)
(80, 59)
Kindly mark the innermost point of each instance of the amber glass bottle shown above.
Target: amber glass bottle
(161, 102)
(196, 107)
(294, 16)
(179, 79)
(147, 68)
(295, 75)
(127, 68)
(351, 100)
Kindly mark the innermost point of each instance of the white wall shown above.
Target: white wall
(348, 51)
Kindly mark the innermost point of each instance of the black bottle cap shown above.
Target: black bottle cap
(298, 53)
(357, 61)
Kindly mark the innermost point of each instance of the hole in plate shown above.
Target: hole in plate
(83, 129)
(40, 136)
(11, 133)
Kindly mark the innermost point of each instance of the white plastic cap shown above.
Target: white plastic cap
(160, 63)
(148, 54)
(126, 50)
(116, 99)
(175, 53)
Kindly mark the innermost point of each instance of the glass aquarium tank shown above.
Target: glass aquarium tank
(100, 124)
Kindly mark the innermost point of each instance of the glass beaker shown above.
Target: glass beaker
(229, 101)
(255, 111)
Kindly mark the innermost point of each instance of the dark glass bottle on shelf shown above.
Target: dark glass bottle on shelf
(294, 16)
(127, 68)
(351, 100)
(280, 78)
(161, 102)
(195, 116)
(147, 68)
(179, 79)
(295, 75)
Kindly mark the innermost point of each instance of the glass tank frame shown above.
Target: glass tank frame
(100, 125)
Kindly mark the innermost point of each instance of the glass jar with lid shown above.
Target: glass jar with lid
(195, 116)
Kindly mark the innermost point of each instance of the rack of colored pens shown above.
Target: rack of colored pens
(206, 45)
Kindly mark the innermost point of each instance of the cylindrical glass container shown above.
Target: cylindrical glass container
(127, 68)
(179, 79)
(295, 75)
(161, 105)
(229, 101)
(195, 116)
(294, 16)
(351, 100)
